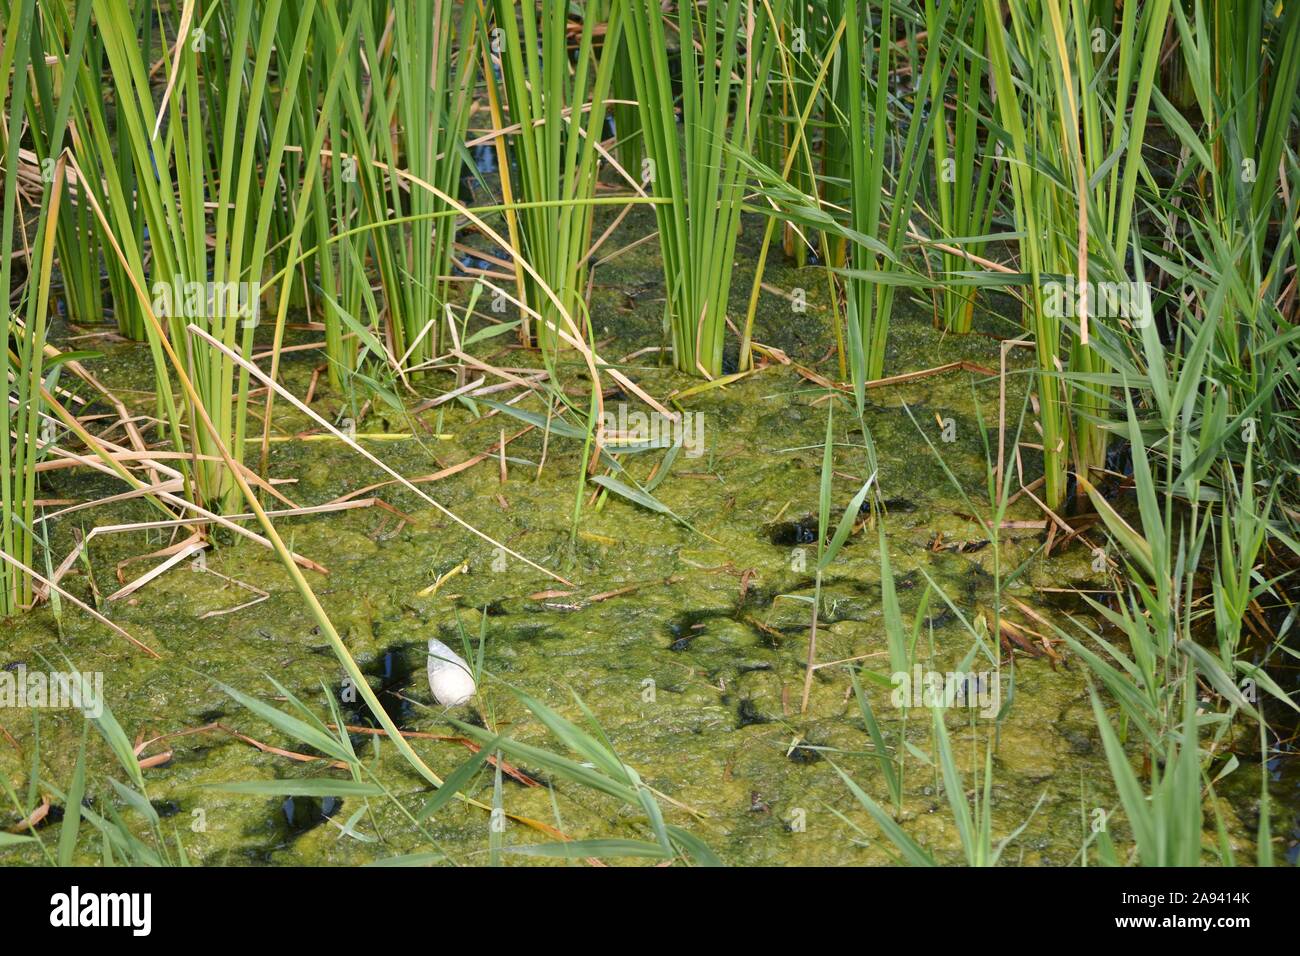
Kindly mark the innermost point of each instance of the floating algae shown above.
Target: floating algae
(694, 672)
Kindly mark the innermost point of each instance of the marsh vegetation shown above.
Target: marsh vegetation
(850, 431)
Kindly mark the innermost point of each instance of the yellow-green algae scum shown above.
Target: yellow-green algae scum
(721, 733)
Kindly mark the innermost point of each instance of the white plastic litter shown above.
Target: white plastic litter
(449, 676)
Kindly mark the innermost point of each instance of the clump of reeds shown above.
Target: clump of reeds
(726, 52)
(26, 431)
(556, 110)
(967, 176)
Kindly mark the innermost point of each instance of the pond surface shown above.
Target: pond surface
(687, 645)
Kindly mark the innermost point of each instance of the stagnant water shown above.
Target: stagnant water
(695, 674)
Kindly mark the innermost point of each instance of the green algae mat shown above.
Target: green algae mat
(684, 635)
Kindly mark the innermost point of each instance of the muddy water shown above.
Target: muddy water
(695, 672)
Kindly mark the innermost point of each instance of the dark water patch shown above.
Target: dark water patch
(395, 664)
(389, 673)
(891, 506)
(53, 815)
(484, 157)
(899, 505)
(683, 643)
(165, 808)
(1119, 470)
(534, 775)
(805, 753)
(793, 531)
(467, 262)
(301, 814)
(1073, 504)
(905, 582)
(482, 161)
(747, 714)
(942, 619)
(976, 580)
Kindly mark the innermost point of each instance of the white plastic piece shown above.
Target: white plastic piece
(449, 676)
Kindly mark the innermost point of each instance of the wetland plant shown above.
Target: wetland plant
(968, 179)
(695, 163)
(408, 124)
(556, 145)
